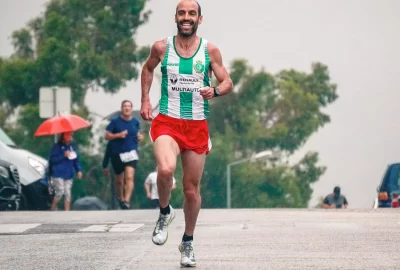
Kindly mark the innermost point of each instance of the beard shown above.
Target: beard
(187, 33)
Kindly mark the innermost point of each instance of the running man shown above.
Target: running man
(124, 131)
(180, 128)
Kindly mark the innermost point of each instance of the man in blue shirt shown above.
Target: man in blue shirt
(124, 132)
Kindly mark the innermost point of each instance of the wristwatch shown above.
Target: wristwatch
(216, 92)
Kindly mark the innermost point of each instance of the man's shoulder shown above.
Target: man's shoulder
(56, 146)
(210, 45)
(115, 119)
(212, 48)
(330, 197)
(134, 120)
(159, 46)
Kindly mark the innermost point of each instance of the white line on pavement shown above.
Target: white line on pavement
(95, 228)
(125, 227)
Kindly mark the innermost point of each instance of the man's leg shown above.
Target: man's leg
(129, 183)
(166, 151)
(193, 166)
(119, 182)
(119, 176)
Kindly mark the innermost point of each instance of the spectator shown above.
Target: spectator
(335, 200)
(63, 161)
(150, 185)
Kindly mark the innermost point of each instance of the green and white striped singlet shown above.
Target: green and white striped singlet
(181, 79)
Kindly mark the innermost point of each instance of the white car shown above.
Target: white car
(32, 172)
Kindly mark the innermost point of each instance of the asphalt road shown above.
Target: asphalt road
(224, 239)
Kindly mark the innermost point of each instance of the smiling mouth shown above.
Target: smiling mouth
(186, 24)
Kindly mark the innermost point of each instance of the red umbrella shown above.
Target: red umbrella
(60, 124)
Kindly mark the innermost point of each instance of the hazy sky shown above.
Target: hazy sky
(358, 40)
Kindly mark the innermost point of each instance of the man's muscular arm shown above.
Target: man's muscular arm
(156, 54)
(157, 50)
(219, 70)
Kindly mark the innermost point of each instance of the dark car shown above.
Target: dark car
(389, 189)
(10, 187)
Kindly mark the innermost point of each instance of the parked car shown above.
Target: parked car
(32, 171)
(10, 187)
(389, 190)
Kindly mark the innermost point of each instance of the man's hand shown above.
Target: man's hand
(148, 195)
(80, 175)
(140, 137)
(207, 92)
(146, 110)
(333, 206)
(67, 153)
(105, 171)
(123, 134)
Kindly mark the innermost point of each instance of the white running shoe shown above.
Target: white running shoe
(187, 254)
(160, 233)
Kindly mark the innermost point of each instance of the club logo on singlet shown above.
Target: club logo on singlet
(198, 66)
(173, 79)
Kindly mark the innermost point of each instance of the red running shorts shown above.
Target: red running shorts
(189, 134)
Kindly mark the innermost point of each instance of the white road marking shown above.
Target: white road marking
(125, 227)
(95, 228)
(17, 228)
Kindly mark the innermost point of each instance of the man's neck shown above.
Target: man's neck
(185, 42)
(126, 117)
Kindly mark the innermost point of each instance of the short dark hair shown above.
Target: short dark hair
(198, 8)
(124, 101)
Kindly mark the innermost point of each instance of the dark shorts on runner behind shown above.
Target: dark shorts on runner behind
(119, 166)
(189, 134)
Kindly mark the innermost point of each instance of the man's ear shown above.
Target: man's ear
(200, 19)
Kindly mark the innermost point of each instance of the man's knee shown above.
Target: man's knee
(166, 151)
(166, 170)
(129, 173)
(192, 194)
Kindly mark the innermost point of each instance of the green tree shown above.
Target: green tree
(81, 44)
(267, 112)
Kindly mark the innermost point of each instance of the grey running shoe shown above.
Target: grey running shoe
(187, 254)
(160, 233)
(125, 205)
